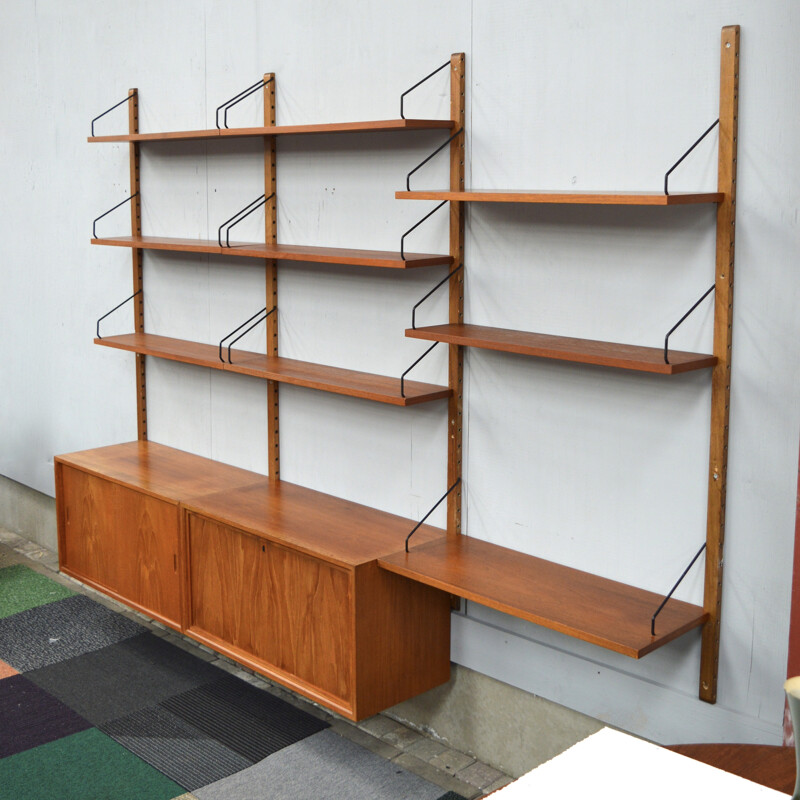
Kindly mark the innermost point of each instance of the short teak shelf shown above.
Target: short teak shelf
(565, 348)
(567, 198)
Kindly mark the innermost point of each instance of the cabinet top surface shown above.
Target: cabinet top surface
(321, 525)
(158, 470)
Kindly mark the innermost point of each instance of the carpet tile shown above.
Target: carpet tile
(125, 677)
(84, 766)
(21, 589)
(249, 721)
(6, 670)
(325, 766)
(178, 750)
(57, 631)
(29, 716)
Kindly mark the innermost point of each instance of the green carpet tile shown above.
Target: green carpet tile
(84, 766)
(21, 588)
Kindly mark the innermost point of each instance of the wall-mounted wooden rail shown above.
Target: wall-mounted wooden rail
(372, 126)
(562, 198)
(565, 348)
(380, 388)
(601, 611)
(282, 252)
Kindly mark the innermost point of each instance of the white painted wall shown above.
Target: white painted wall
(598, 469)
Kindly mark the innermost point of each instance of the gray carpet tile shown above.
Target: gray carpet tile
(123, 678)
(178, 750)
(322, 767)
(248, 720)
(54, 632)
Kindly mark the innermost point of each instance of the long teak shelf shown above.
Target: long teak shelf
(575, 198)
(565, 348)
(380, 388)
(371, 126)
(598, 610)
(283, 252)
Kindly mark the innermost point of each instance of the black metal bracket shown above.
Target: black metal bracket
(438, 502)
(228, 104)
(423, 163)
(129, 97)
(113, 310)
(258, 321)
(419, 83)
(239, 216)
(438, 285)
(664, 601)
(413, 227)
(403, 376)
(703, 136)
(126, 200)
(680, 321)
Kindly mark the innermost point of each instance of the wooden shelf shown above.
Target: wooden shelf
(372, 126)
(283, 252)
(576, 198)
(565, 348)
(380, 388)
(601, 611)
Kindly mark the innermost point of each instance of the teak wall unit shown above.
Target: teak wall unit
(582, 605)
(223, 554)
(281, 578)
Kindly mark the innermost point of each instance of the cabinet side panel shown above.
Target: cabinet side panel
(402, 639)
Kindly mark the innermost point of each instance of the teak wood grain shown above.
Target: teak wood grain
(283, 252)
(370, 126)
(380, 388)
(565, 348)
(122, 542)
(598, 610)
(721, 375)
(284, 608)
(575, 198)
(157, 470)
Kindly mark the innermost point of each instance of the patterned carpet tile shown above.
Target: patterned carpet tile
(178, 750)
(245, 719)
(51, 633)
(85, 766)
(29, 716)
(6, 670)
(324, 767)
(123, 678)
(21, 589)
